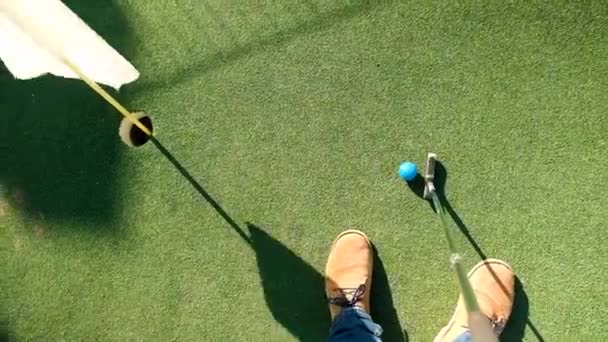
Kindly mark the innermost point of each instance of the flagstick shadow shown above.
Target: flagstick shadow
(199, 188)
(515, 328)
(321, 21)
(293, 289)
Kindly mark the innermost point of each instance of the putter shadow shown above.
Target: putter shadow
(58, 142)
(441, 178)
(515, 329)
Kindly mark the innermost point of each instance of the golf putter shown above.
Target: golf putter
(480, 329)
(429, 176)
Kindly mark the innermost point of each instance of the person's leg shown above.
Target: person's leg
(464, 337)
(354, 324)
(348, 281)
(494, 284)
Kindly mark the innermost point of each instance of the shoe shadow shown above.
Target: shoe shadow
(383, 311)
(293, 289)
(516, 327)
(294, 292)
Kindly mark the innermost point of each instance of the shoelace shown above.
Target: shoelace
(342, 298)
(499, 325)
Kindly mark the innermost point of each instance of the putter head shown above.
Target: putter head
(429, 175)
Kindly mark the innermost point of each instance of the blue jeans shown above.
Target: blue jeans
(464, 337)
(355, 325)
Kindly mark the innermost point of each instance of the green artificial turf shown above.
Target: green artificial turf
(293, 116)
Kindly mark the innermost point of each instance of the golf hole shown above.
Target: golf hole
(132, 135)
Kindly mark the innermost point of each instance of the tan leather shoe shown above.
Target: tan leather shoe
(494, 284)
(348, 273)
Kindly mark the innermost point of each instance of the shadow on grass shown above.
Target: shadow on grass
(58, 139)
(382, 309)
(295, 294)
(5, 334)
(293, 289)
(320, 22)
(515, 329)
(199, 188)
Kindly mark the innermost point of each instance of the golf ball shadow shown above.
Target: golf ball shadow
(132, 135)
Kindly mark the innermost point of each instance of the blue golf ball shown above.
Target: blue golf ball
(408, 171)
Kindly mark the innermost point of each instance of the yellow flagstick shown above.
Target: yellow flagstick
(60, 33)
(106, 96)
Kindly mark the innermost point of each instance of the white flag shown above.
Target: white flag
(38, 36)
